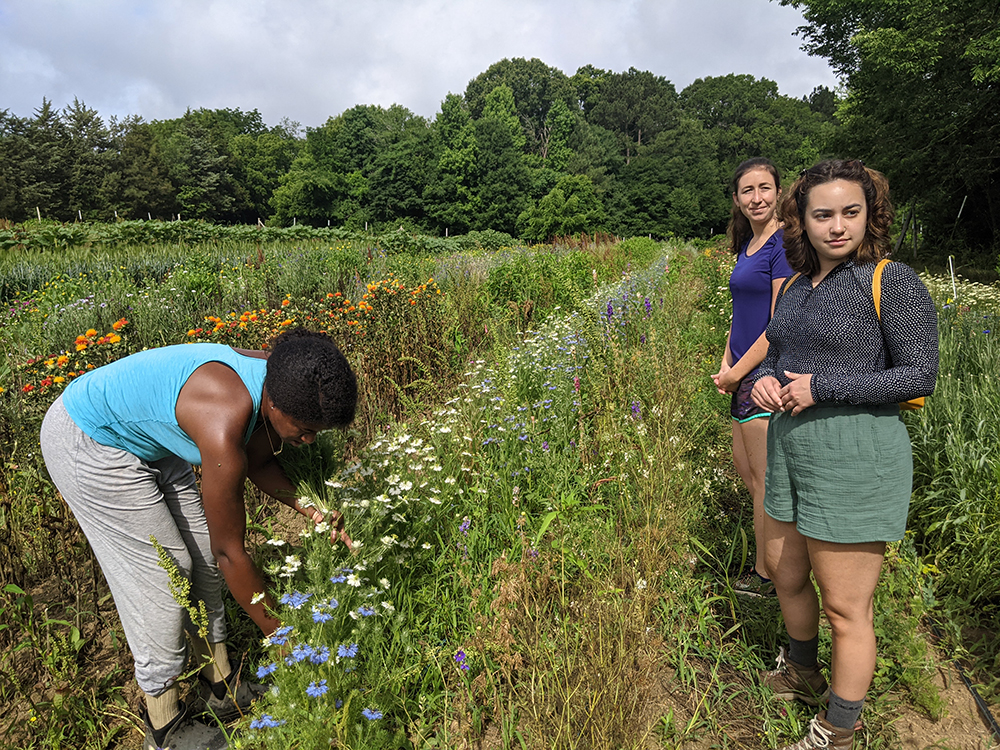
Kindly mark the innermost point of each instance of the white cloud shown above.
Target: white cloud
(311, 59)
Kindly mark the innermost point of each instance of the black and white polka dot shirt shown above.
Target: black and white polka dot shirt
(833, 333)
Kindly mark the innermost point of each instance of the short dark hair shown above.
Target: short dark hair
(739, 229)
(309, 378)
(876, 245)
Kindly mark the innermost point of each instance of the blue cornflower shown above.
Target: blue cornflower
(333, 603)
(320, 655)
(371, 714)
(366, 611)
(545, 445)
(300, 653)
(347, 652)
(338, 579)
(316, 689)
(280, 636)
(319, 616)
(338, 703)
(266, 722)
(264, 671)
(295, 599)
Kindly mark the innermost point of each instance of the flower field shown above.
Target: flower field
(538, 485)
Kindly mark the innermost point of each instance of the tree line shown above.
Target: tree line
(525, 150)
(530, 151)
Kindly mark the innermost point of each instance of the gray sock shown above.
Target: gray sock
(803, 652)
(843, 713)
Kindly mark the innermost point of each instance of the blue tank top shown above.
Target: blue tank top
(131, 403)
(750, 286)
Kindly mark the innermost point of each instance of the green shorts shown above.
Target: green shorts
(840, 473)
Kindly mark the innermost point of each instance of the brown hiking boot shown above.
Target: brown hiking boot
(823, 734)
(791, 681)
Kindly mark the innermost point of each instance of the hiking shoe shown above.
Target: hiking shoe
(753, 583)
(235, 702)
(183, 733)
(822, 734)
(791, 681)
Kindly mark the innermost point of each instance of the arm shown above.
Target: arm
(909, 331)
(214, 409)
(267, 475)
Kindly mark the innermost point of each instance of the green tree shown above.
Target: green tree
(571, 207)
(535, 87)
(635, 105)
(923, 92)
(673, 187)
(137, 184)
(747, 117)
(90, 159)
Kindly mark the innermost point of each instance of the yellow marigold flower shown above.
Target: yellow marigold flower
(114, 338)
(58, 379)
(192, 332)
(90, 367)
(49, 362)
(90, 332)
(62, 360)
(81, 347)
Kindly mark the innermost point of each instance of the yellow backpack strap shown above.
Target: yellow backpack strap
(791, 280)
(877, 286)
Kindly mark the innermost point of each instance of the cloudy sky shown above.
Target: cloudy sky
(311, 59)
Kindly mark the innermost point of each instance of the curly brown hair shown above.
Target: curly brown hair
(876, 244)
(739, 229)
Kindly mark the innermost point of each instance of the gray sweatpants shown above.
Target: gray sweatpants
(120, 501)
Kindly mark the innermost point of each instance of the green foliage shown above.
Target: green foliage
(956, 503)
(570, 207)
(921, 89)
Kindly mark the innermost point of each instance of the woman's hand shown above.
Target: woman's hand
(336, 522)
(797, 395)
(723, 383)
(767, 394)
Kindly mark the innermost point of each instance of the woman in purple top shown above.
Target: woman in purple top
(756, 239)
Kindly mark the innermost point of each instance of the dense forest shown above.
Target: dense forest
(531, 151)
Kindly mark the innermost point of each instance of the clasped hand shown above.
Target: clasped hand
(769, 394)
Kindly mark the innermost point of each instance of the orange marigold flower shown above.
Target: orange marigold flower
(81, 347)
(90, 332)
(45, 383)
(119, 324)
(90, 367)
(62, 360)
(28, 388)
(192, 332)
(413, 302)
(337, 294)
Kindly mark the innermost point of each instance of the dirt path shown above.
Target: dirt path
(961, 728)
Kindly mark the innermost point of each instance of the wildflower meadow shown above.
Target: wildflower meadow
(543, 512)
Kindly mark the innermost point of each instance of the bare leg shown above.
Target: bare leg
(847, 575)
(787, 554)
(750, 458)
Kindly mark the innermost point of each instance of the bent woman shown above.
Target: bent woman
(755, 238)
(119, 444)
(839, 462)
